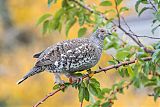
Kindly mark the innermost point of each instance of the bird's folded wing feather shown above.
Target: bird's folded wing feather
(54, 52)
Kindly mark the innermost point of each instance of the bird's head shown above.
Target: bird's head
(100, 33)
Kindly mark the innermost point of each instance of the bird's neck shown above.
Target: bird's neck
(97, 42)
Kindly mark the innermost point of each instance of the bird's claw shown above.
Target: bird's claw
(60, 82)
(77, 80)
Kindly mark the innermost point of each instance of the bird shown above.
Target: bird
(69, 56)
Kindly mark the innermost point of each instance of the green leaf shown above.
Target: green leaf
(154, 29)
(92, 89)
(157, 93)
(156, 56)
(56, 22)
(112, 62)
(96, 104)
(123, 9)
(152, 66)
(146, 68)
(45, 26)
(81, 94)
(65, 4)
(110, 11)
(50, 1)
(121, 55)
(88, 19)
(106, 90)
(43, 18)
(86, 94)
(95, 82)
(142, 10)
(137, 5)
(150, 83)
(137, 82)
(121, 72)
(144, 1)
(142, 54)
(118, 2)
(106, 104)
(157, 15)
(82, 32)
(106, 3)
(82, 84)
(69, 24)
(121, 90)
(56, 86)
(81, 18)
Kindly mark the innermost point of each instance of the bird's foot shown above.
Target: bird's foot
(58, 79)
(73, 79)
(60, 82)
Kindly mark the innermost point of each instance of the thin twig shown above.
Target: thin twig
(87, 75)
(122, 29)
(103, 16)
(81, 105)
(49, 95)
(121, 64)
(147, 37)
(84, 6)
(132, 33)
(118, 15)
(152, 95)
(118, 89)
(127, 25)
(154, 7)
(137, 36)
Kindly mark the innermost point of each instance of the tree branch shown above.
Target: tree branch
(81, 105)
(122, 29)
(49, 95)
(134, 33)
(121, 64)
(118, 89)
(154, 7)
(87, 75)
(152, 95)
(146, 37)
(118, 15)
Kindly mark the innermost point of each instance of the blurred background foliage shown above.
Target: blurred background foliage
(20, 39)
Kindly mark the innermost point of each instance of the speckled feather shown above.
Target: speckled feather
(70, 56)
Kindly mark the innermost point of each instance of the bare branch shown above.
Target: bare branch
(122, 29)
(121, 64)
(87, 75)
(147, 37)
(152, 95)
(127, 25)
(81, 105)
(154, 7)
(84, 6)
(134, 33)
(118, 89)
(49, 95)
(118, 15)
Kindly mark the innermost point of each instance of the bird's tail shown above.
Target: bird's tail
(33, 71)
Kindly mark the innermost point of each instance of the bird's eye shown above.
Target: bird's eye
(102, 31)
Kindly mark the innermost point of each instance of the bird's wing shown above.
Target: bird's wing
(37, 54)
(54, 52)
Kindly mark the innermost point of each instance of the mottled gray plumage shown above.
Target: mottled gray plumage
(70, 56)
